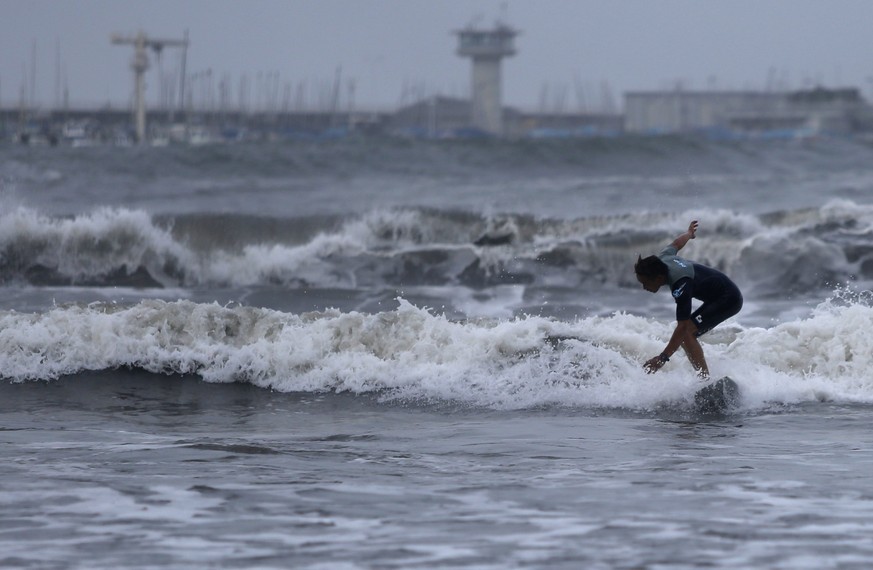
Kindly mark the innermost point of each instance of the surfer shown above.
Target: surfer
(721, 299)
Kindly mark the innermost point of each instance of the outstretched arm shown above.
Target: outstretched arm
(680, 241)
(682, 336)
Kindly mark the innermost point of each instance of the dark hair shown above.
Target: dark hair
(650, 266)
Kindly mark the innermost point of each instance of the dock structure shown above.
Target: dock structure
(486, 49)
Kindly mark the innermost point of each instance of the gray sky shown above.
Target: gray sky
(568, 50)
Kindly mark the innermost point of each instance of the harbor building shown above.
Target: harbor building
(747, 113)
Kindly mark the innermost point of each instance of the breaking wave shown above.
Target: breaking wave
(789, 251)
(411, 353)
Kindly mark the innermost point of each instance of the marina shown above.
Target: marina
(203, 107)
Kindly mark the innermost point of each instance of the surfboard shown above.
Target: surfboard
(717, 397)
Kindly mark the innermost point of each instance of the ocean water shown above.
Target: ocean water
(428, 354)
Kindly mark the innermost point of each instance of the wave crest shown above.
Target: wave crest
(793, 251)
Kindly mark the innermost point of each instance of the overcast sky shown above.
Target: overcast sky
(570, 52)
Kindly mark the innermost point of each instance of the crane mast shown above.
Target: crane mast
(139, 64)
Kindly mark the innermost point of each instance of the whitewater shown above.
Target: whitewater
(373, 354)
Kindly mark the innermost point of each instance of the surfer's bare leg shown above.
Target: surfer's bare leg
(694, 352)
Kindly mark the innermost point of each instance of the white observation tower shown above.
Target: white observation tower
(486, 48)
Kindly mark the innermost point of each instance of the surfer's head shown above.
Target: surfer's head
(651, 272)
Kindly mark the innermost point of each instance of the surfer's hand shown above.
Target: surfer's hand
(653, 365)
(680, 241)
(692, 229)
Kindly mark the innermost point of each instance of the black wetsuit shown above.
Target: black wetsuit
(721, 297)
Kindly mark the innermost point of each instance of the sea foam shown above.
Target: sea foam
(412, 353)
